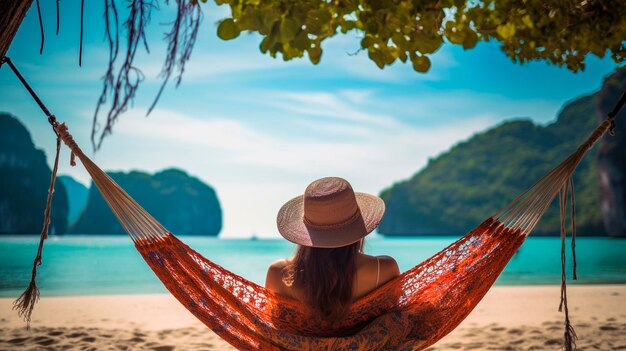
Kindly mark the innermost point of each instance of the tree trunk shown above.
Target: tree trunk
(12, 12)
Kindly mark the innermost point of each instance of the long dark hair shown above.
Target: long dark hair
(325, 277)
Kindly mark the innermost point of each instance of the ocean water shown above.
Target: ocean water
(95, 265)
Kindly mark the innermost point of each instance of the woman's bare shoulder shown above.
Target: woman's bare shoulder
(280, 263)
(274, 277)
(387, 260)
(388, 268)
(384, 260)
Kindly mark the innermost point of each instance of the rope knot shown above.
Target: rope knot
(612, 126)
(67, 138)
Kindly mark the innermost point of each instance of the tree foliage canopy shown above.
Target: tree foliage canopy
(562, 32)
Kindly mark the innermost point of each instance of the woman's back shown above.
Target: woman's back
(329, 269)
(371, 273)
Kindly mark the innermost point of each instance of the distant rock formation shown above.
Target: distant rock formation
(612, 157)
(25, 176)
(76, 194)
(460, 188)
(183, 204)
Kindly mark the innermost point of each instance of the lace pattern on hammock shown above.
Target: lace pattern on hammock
(419, 307)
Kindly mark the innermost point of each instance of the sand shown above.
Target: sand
(509, 318)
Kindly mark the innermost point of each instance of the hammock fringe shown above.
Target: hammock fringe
(25, 304)
(573, 216)
(569, 340)
(569, 337)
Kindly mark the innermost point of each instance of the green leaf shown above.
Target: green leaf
(301, 41)
(470, 40)
(250, 20)
(528, 21)
(268, 18)
(313, 25)
(347, 26)
(377, 57)
(389, 56)
(506, 31)
(228, 29)
(315, 54)
(402, 55)
(290, 52)
(372, 26)
(323, 16)
(265, 45)
(399, 40)
(454, 33)
(367, 41)
(421, 63)
(427, 44)
(288, 29)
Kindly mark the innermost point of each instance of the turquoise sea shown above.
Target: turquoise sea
(92, 265)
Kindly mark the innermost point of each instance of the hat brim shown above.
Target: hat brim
(291, 225)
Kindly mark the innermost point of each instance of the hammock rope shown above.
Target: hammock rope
(411, 312)
(26, 302)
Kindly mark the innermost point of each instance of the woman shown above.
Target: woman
(329, 270)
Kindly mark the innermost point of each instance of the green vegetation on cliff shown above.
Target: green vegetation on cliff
(25, 178)
(459, 189)
(183, 204)
(612, 157)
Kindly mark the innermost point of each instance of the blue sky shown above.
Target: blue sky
(259, 129)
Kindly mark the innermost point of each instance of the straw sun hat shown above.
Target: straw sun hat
(329, 214)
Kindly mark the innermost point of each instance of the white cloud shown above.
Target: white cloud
(453, 106)
(228, 135)
(325, 104)
(255, 171)
(356, 95)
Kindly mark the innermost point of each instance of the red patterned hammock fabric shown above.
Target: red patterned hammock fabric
(411, 312)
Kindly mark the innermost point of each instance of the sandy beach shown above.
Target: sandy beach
(509, 318)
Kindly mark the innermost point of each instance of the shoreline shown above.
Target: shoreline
(54, 295)
(509, 318)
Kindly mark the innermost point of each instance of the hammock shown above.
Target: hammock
(410, 312)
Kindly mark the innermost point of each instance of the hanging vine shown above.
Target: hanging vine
(120, 85)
